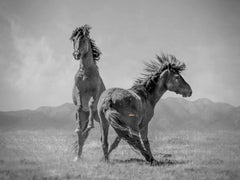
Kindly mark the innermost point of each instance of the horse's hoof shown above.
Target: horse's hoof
(154, 163)
(76, 159)
(104, 159)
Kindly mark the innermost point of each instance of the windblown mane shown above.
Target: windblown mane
(145, 84)
(84, 31)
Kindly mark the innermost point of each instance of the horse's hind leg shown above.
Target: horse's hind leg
(77, 99)
(104, 127)
(77, 116)
(82, 120)
(114, 144)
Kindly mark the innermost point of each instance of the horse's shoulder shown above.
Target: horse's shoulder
(148, 111)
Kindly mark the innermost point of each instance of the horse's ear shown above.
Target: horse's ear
(86, 30)
(74, 33)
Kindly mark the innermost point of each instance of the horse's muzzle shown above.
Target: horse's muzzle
(188, 93)
(76, 55)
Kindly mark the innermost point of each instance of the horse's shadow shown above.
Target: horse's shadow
(131, 160)
(164, 161)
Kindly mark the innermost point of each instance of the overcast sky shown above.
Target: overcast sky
(37, 68)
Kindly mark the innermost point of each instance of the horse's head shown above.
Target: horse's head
(160, 76)
(175, 82)
(81, 41)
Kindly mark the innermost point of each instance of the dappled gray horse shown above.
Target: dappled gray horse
(129, 111)
(88, 84)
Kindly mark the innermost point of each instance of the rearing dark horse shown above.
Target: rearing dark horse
(88, 84)
(129, 111)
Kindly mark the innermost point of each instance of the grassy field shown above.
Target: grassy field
(48, 155)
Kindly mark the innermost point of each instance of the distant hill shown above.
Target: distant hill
(202, 114)
(42, 118)
(170, 114)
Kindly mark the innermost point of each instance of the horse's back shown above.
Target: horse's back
(117, 97)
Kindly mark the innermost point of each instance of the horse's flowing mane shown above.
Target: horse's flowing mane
(145, 84)
(84, 31)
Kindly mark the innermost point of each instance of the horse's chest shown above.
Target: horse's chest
(86, 84)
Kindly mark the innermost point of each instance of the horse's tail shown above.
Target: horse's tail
(113, 118)
(123, 131)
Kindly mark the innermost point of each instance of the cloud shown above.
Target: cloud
(44, 77)
(35, 54)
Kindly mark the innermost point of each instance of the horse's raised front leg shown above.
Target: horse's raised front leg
(90, 117)
(114, 144)
(77, 116)
(82, 123)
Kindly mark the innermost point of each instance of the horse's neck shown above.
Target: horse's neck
(157, 93)
(87, 63)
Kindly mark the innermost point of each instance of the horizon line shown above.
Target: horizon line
(164, 98)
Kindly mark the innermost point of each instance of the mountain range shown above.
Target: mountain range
(170, 114)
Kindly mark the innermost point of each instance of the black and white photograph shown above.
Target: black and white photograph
(120, 90)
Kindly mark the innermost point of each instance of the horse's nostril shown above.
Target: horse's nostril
(76, 55)
(76, 52)
(190, 93)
